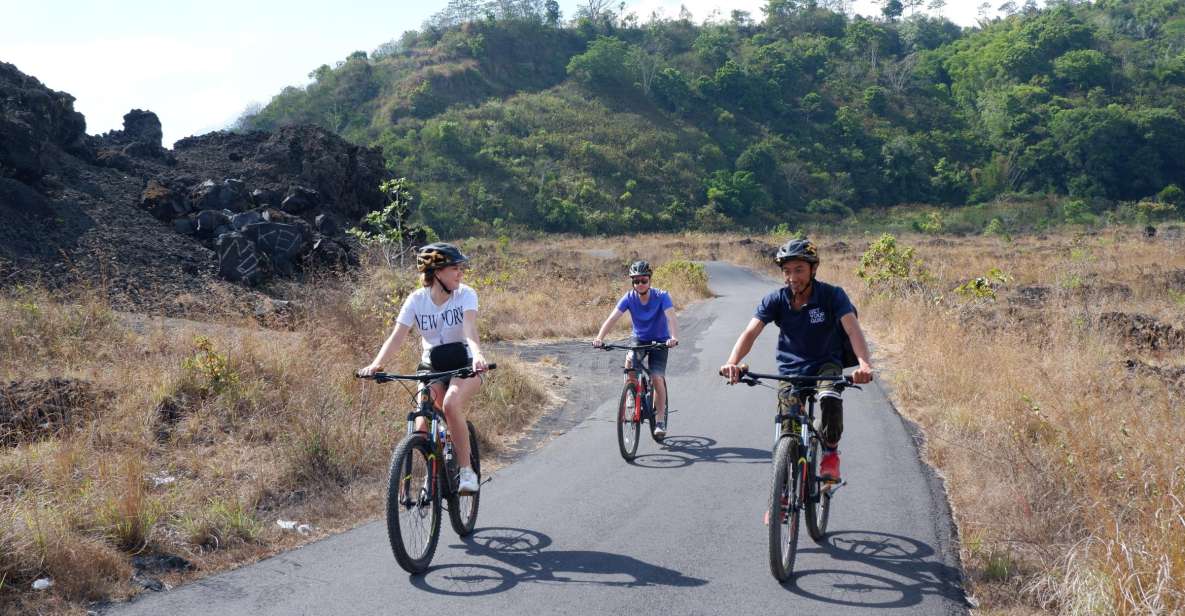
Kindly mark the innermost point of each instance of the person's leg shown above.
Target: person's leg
(830, 423)
(456, 401)
(830, 408)
(788, 404)
(657, 362)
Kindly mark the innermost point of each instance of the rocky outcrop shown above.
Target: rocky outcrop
(160, 226)
(36, 126)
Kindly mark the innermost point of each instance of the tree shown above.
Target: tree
(892, 9)
(553, 12)
(1082, 68)
(595, 10)
(390, 228)
(645, 66)
(603, 65)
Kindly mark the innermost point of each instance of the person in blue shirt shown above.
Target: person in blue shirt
(653, 316)
(809, 314)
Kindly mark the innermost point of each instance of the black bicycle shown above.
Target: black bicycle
(796, 487)
(637, 400)
(418, 482)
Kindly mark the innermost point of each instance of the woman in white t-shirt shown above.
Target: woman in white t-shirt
(444, 311)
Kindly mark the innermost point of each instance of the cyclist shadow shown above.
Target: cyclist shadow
(522, 556)
(904, 572)
(684, 450)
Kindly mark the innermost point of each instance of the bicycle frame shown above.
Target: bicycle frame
(644, 391)
(642, 388)
(426, 408)
(805, 390)
(804, 415)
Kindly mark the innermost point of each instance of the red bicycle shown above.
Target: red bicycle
(637, 401)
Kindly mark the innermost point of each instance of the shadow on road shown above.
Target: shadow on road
(903, 575)
(523, 556)
(685, 450)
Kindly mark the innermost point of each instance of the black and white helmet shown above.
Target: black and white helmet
(800, 249)
(639, 268)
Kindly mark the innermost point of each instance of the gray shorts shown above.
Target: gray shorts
(656, 360)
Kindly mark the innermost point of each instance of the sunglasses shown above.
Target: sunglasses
(638, 281)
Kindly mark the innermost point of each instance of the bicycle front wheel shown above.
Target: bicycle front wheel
(413, 503)
(462, 508)
(628, 424)
(818, 505)
(785, 502)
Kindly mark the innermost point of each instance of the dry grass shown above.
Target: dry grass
(1079, 509)
(202, 435)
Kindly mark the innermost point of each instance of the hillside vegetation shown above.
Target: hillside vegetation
(505, 116)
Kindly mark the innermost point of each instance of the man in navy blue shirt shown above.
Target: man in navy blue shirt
(653, 317)
(809, 314)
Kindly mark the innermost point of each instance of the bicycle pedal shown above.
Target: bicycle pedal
(486, 480)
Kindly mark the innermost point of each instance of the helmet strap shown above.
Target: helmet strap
(442, 285)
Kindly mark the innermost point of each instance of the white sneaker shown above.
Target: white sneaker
(467, 483)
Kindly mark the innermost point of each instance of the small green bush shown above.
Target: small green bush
(891, 268)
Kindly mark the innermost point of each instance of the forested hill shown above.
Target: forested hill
(504, 114)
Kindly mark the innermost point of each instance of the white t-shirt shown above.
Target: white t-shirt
(437, 324)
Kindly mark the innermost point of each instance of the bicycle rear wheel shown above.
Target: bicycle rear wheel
(462, 508)
(785, 502)
(818, 505)
(413, 503)
(628, 424)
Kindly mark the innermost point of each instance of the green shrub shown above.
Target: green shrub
(688, 278)
(891, 268)
(983, 287)
(210, 369)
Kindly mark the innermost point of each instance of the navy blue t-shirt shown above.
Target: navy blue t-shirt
(810, 336)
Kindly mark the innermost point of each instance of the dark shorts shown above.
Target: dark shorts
(656, 359)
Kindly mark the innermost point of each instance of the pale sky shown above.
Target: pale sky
(198, 65)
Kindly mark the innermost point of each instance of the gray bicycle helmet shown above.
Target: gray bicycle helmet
(801, 249)
(640, 268)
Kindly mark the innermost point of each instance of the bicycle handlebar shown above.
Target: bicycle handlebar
(640, 347)
(424, 377)
(753, 378)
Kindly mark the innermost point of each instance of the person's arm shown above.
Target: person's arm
(394, 341)
(672, 327)
(469, 328)
(607, 325)
(743, 345)
(851, 325)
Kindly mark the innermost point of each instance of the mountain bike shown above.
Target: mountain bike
(796, 487)
(423, 474)
(637, 400)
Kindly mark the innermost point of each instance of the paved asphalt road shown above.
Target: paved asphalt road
(574, 529)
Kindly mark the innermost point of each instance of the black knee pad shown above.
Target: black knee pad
(831, 425)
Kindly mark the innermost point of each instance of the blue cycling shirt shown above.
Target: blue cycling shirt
(649, 319)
